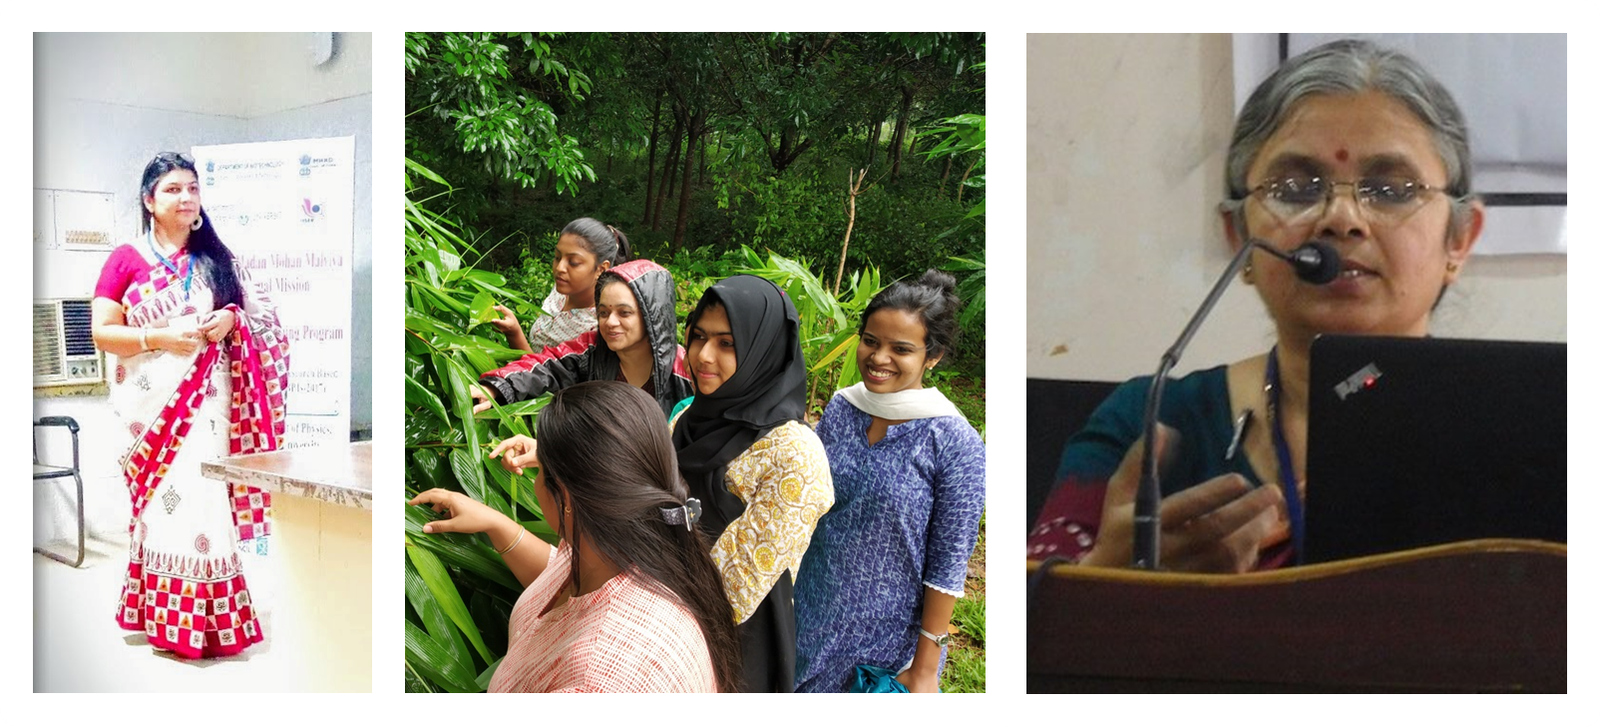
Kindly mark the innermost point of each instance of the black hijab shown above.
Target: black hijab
(768, 386)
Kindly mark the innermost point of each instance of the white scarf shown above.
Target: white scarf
(903, 404)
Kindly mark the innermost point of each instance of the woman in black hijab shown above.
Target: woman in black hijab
(748, 455)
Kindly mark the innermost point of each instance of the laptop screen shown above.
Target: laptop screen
(1422, 441)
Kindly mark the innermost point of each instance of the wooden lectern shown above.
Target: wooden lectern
(1482, 615)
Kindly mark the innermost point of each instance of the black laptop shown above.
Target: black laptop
(1422, 441)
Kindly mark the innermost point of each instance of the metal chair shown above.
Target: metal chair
(48, 472)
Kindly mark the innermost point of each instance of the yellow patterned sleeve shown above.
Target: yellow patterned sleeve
(786, 486)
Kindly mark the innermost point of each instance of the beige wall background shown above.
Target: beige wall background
(1126, 140)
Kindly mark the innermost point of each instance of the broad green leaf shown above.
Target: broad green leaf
(432, 470)
(469, 553)
(435, 662)
(478, 360)
(848, 342)
(519, 489)
(450, 260)
(433, 617)
(460, 398)
(426, 172)
(505, 296)
(519, 409)
(485, 277)
(482, 308)
(418, 395)
(469, 471)
(449, 600)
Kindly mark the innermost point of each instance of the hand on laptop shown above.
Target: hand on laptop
(1218, 526)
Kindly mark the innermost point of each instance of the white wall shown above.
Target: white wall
(245, 75)
(105, 103)
(1126, 143)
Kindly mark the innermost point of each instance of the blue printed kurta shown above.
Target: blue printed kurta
(905, 516)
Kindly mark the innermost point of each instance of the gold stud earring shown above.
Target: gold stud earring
(1249, 274)
(1452, 266)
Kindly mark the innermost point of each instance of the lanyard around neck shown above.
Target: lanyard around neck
(188, 277)
(1280, 444)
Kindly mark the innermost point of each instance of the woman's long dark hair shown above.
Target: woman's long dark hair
(212, 259)
(605, 451)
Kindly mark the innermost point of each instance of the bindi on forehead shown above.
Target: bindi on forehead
(1342, 155)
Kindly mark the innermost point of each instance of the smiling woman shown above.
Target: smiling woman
(201, 371)
(636, 342)
(888, 562)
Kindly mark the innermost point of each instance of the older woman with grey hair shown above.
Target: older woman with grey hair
(1350, 144)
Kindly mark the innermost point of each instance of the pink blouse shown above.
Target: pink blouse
(620, 638)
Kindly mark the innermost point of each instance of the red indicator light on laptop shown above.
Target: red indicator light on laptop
(1366, 378)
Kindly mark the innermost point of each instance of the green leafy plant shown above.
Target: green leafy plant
(827, 322)
(458, 592)
(478, 87)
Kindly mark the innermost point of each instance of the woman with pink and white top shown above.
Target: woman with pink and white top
(629, 599)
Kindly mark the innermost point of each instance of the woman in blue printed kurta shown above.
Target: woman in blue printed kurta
(879, 582)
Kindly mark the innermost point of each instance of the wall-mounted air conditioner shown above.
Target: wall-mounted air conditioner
(63, 344)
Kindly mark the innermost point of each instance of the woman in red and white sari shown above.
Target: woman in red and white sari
(202, 366)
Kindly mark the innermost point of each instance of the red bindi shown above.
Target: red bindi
(1342, 155)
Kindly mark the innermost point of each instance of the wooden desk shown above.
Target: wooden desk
(315, 590)
(1484, 615)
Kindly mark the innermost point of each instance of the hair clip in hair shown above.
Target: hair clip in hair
(686, 514)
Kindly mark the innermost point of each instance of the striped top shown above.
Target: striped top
(622, 637)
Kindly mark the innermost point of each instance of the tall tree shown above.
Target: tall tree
(669, 165)
(697, 124)
(650, 174)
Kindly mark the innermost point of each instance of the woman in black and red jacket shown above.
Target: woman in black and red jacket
(635, 340)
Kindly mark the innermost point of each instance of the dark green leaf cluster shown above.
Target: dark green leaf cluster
(458, 591)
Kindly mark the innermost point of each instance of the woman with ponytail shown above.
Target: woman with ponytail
(888, 562)
(201, 370)
(586, 248)
(629, 599)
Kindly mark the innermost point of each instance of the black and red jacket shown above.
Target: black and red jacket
(587, 358)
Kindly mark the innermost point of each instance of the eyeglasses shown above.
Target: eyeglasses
(1384, 200)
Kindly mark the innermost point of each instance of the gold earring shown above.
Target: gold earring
(1452, 266)
(1249, 273)
(569, 509)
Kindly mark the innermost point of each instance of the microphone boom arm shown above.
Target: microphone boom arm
(1147, 503)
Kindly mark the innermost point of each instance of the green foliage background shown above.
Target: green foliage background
(532, 130)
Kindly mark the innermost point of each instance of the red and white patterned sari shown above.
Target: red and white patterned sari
(185, 588)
